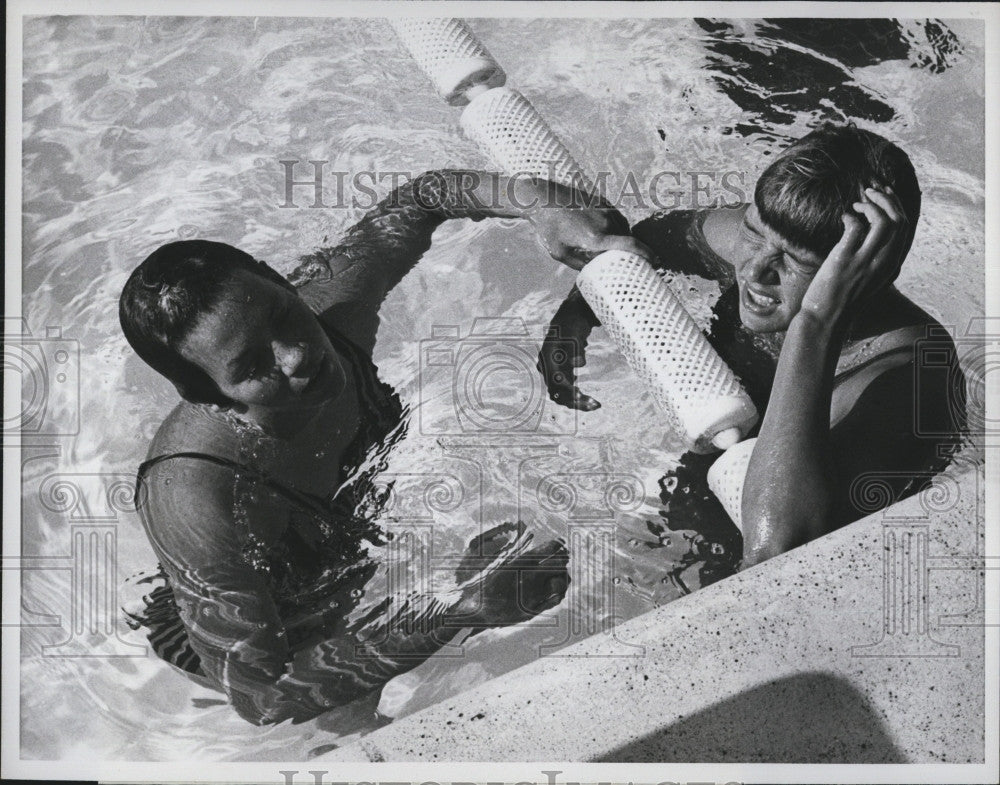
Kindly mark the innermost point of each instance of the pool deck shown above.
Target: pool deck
(819, 655)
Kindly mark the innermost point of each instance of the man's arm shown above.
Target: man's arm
(231, 619)
(874, 457)
(788, 491)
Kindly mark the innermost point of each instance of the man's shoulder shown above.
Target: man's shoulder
(678, 239)
(189, 464)
(666, 226)
(909, 329)
(909, 368)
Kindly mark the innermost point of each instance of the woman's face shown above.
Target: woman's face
(772, 274)
(264, 348)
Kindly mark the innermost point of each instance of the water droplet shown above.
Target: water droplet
(616, 581)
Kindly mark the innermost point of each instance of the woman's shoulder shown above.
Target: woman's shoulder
(185, 486)
(192, 428)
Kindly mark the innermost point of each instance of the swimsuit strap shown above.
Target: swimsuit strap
(889, 350)
(879, 347)
(307, 500)
(381, 412)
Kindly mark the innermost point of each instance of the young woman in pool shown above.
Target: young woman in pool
(258, 490)
(822, 340)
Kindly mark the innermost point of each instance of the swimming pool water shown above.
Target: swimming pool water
(138, 131)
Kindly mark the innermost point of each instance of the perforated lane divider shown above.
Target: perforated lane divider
(699, 394)
(726, 477)
(512, 132)
(448, 52)
(662, 343)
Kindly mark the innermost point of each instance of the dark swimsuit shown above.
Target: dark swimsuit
(316, 569)
(241, 614)
(688, 502)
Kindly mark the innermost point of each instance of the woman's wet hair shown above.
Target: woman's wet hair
(166, 295)
(805, 191)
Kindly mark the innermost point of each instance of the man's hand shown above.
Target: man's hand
(574, 234)
(867, 258)
(563, 351)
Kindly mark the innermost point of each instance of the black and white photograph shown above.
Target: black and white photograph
(438, 392)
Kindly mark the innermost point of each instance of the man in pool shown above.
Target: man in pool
(258, 494)
(824, 343)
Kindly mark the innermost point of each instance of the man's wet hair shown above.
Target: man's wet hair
(166, 295)
(805, 191)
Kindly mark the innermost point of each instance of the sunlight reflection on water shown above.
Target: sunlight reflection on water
(141, 131)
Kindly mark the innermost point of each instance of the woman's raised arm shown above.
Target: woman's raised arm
(347, 283)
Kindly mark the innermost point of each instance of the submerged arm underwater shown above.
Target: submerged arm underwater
(272, 633)
(294, 657)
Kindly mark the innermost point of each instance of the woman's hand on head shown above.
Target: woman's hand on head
(574, 233)
(865, 260)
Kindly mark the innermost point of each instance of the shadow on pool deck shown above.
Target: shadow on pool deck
(806, 718)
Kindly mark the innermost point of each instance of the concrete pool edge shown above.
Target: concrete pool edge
(780, 663)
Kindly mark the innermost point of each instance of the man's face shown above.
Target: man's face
(263, 347)
(772, 274)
